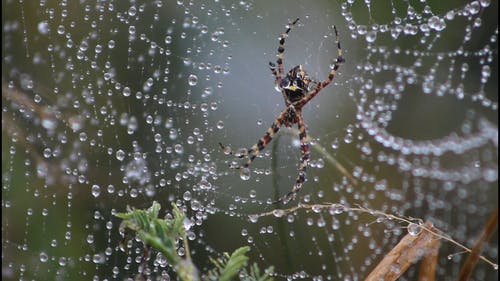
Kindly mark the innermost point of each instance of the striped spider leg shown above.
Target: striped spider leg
(297, 91)
(253, 151)
(278, 76)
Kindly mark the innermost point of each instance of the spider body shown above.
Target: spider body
(297, 90)
(295, 85)
(291, 117)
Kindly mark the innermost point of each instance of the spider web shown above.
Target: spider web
(109, 104)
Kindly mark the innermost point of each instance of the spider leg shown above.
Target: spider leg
(228, 150)
(340, 59)
(277, 79)
(304, 161)
(281, 50)
(252, 152)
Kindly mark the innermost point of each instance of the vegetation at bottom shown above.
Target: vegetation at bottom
(168, 236)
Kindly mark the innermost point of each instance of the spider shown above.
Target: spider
(297, 89)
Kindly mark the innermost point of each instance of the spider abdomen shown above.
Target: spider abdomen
(294, 96)
(295, 84)
(291, 117)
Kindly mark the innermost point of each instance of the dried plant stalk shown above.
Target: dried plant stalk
(474, 256)
(429, 262)
(408, 221)
(407, 252)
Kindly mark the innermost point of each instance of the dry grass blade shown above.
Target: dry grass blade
(414, 223)
(429, 262)
(474, 256)
(407, 252)
(334, 162)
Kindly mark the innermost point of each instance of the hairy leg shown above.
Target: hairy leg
(340, 59)
(252, 152)
(281, 48)
(304, 161)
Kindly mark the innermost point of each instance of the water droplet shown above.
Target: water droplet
(316, 208)
(43, 27)
(43, 257)
(75, 123)
(208, 91)
(485, 73)
(187, 223)
(253, 218)
(62, 261)
(47, 152)
(192, 80)
(335, 143)
(134, 193)
(120, 155)
(98, 258)
(84, 46)
(215, 36)
(187, 196)
(132, 11)
(83, 136)
(90, 239)
(157, 137)
(245, 173)
(278, 213)
(348, 138)
(371, 36)
(361, 29)
(131, 30)
(132, 125)
(96, 190)
(178, 148)
(204, 107)
(336, 209)
(126, 92)
(490, 174)
(484, 4)
(321, 222)
(204, 184)
(49, 123)
(413, 229)
(395, 268)
(436, 23)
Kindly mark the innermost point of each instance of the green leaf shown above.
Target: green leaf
(255, 274)
(237, 260)
(164, 234)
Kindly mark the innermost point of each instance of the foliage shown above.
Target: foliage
(164, 235)
(228, 266)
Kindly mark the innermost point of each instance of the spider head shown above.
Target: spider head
(295, 83)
